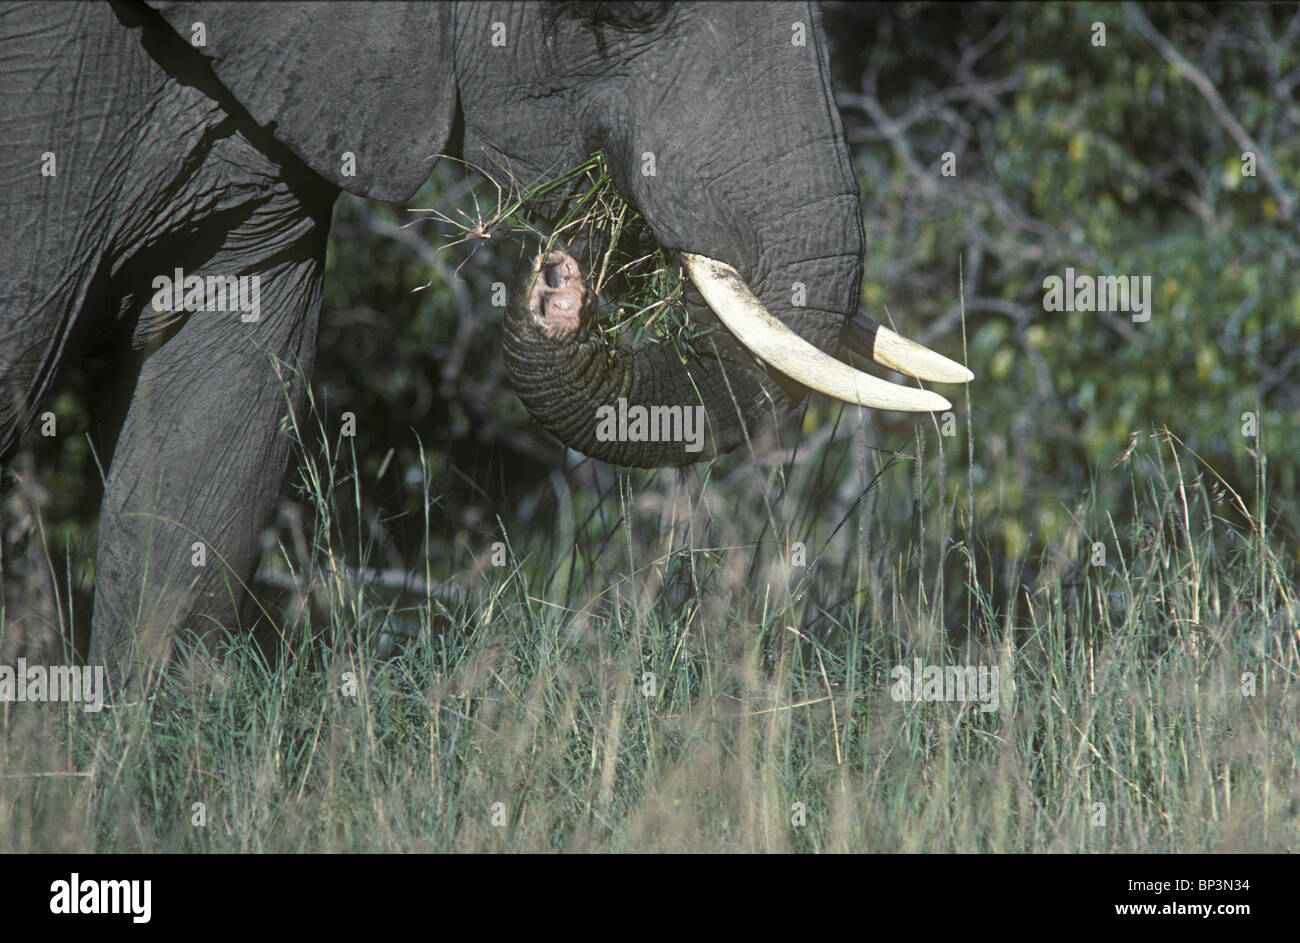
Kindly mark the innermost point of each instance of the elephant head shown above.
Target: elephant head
(718, 125)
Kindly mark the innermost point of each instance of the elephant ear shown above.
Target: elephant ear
(374, 80)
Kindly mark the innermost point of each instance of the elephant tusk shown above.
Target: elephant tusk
(864, 336)
(774, 343)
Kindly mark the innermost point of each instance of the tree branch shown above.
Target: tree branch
(1268, 170)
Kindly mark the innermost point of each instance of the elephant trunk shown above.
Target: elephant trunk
(645, 407)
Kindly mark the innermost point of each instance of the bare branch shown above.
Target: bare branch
(897, 139)
(1268, 170)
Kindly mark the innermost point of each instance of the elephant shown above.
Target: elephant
(171, 171)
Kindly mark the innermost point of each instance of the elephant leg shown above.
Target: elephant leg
(201, 453)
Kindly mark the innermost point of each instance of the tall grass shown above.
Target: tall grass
(658, 667)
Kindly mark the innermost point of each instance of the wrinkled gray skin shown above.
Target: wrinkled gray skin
(227, 159)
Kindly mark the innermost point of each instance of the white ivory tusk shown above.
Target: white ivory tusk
(907, 356)
(729, 297)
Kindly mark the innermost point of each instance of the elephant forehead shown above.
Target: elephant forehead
(363, 93)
